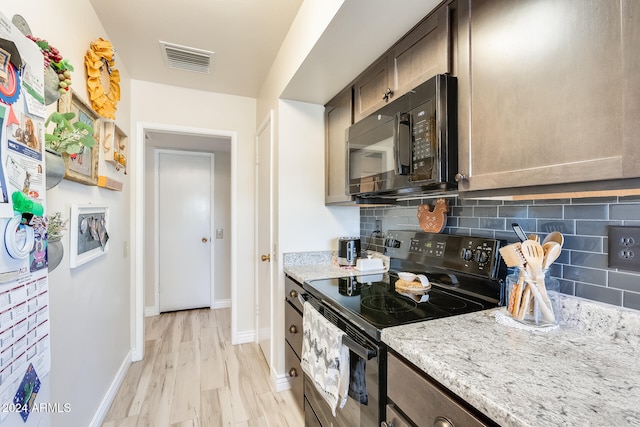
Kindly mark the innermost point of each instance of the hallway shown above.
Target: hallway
(191, 375)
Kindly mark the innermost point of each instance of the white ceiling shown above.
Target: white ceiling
(246, 35)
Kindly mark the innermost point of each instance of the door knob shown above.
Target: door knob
(266, 258)
(205, 240)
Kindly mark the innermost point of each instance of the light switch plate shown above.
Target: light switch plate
(219, 233)
(624, 247)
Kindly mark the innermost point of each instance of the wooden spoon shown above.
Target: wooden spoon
(533, 254)
(554, 236)
(551, 252)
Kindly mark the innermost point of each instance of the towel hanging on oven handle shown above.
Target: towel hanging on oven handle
(359, 349)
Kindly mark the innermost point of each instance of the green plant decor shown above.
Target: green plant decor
(56, 225)
(68, 137)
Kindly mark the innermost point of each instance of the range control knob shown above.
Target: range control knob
(481, 257)
(466, 254)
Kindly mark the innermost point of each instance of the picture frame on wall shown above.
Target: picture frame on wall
(88, 232)
(81, 167)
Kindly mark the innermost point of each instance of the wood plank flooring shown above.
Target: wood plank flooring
(192, 376)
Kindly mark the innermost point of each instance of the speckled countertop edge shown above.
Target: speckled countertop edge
(583, 373)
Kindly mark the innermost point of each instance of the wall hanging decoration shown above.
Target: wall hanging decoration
(103, 80)
(88, 233)
(57, 70)
(73, 136)
(433, 221)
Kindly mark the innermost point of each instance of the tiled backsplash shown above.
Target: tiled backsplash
(582, 266)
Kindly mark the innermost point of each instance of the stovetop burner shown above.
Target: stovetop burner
(387, 304)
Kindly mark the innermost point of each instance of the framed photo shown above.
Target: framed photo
(88, 231)
(81, 167)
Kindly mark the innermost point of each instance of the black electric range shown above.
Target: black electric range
(466, 274)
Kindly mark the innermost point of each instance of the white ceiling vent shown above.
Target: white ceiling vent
(186, 58)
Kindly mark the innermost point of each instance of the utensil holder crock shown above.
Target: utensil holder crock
(532, 297)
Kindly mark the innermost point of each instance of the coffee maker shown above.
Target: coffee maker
(348, 250)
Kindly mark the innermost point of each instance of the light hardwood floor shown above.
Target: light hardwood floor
(191, 375)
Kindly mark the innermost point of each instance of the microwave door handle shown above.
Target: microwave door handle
(402, 143)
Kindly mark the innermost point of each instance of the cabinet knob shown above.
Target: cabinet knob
(293, 329)
(293, 373)
(388, 94)
(442, 422)
(293, 294)
(460, 177)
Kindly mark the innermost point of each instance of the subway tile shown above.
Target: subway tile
(583, 243)
(468, 202)
(625, 212)
(599, 293)
(452, 221)
(589, 259)
(482, 233)
(546, 211)
(585, 275)
(518, 202)
(567, 287)
(493, 223)
(564, 227)
(624, 281)
(629, 199)
(552, 202)
(512, 211)
(469, 222)
(586, 212)
(485, 211)
(528, 225)
(489, 202)
(463, 211)
(594, 228)
(599, 200)
(631, 300)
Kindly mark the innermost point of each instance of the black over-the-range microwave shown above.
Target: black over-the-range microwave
(409, 146)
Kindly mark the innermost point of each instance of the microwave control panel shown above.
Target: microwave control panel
(424, 140)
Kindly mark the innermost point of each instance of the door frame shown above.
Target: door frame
(156, 255)
(136, 231)
(268, 121)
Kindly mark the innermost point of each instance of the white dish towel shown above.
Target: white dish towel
(324, 358)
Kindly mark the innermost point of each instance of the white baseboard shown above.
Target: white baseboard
(243, 338)
(281, 383)
(223, 303)
(98, 417)
(151, 311)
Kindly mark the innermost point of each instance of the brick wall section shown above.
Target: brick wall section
(581, 268)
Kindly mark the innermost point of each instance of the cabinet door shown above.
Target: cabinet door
(545, 87)
(294, 375)
(338, 113)
(371, 89)
(423, 53)
(631, 85)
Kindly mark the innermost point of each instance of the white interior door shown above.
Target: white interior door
(263, 289)
(184, 233)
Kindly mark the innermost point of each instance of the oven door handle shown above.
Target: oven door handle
(359, 349)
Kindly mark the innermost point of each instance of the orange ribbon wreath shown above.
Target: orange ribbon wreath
(98, 61)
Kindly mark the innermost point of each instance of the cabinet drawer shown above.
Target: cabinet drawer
(293, 328)
(292, 289)
(394, 419)
(294, 375)
(422, 400)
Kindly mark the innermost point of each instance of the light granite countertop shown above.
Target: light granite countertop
(584, 373)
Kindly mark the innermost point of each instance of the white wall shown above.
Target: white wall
(212, 112)
(89, 305)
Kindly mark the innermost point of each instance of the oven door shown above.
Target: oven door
(366, 402)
